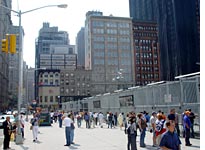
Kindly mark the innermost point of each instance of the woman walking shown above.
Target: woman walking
(34, 123)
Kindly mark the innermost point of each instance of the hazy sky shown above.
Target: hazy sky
(70, 19)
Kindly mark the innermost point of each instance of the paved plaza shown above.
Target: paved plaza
(53, 138)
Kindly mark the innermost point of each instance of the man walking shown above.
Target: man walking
(67, 122)
(192, 117)
(187, 126)
(153, 125)
(7, 132)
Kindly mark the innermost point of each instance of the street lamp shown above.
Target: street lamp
(118, 78)
(19, 139)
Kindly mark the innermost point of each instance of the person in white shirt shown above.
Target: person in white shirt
(101, 117)
(67, 123)
(22, 124)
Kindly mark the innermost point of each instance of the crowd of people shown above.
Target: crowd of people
(164, 128)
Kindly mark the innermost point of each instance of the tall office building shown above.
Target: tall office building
(51, 46)
(147, 53)
(143, 10)
(178, 23)
(179, 37)
(80, 44)
(109, 51)
(5, 22)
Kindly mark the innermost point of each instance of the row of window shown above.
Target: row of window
(145, 48)
(97, 23)
(146, 62)
(147, 69)
(50, 99)
(146, 55)
(110, 31)
(147, 28)
(49, 75)
(147, 76)
(111, 46)
(145, 41)
(139, 34)
(49, 82)
(111, 39)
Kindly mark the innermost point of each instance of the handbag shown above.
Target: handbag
(12, 137)
(72, 126)
(31, 127)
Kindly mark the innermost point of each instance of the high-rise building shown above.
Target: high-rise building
(109, 51)
(178, 24)
(179, 37)
(51, 46)
(80, 44)
(143, 10)
(147, 56)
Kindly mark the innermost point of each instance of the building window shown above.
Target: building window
(41, 99)
(56, 82)
(46, 99)
(51, 98)
(51, 81)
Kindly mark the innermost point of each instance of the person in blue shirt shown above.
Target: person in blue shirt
(170, 139)
(187, 126)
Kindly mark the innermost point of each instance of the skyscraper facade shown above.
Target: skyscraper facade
(179, 37)
(49, 42)
(80, 44)
(179, 26)
(109, 51)
(147, 52)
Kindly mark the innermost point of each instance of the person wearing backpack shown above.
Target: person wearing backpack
(160, 128)
(131, 132)
(142, 127)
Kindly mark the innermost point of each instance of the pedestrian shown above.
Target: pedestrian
(72, 129)
(160, 127)
(142, 127)
(187, 126)
(67, 122)
(110, 118)
(34, 122)
(192, 117)
(87, 120)
(120, 120)
(177, 123)
(131, 134)
(79, 119)
(60, 115)
(101, 119)
(170, 139)
(7, 127)
(115, 119)
(153, 126)
(55, 115)
(95, 116)
(182, 117)
(22, 124)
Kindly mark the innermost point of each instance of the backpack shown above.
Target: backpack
(159, 125)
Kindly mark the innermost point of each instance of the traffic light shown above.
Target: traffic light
(12, 43)
(4, 45)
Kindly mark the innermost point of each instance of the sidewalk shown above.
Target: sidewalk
(53, 138)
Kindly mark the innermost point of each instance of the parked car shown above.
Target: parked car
(3, 118)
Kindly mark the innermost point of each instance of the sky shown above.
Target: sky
(70, 19)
